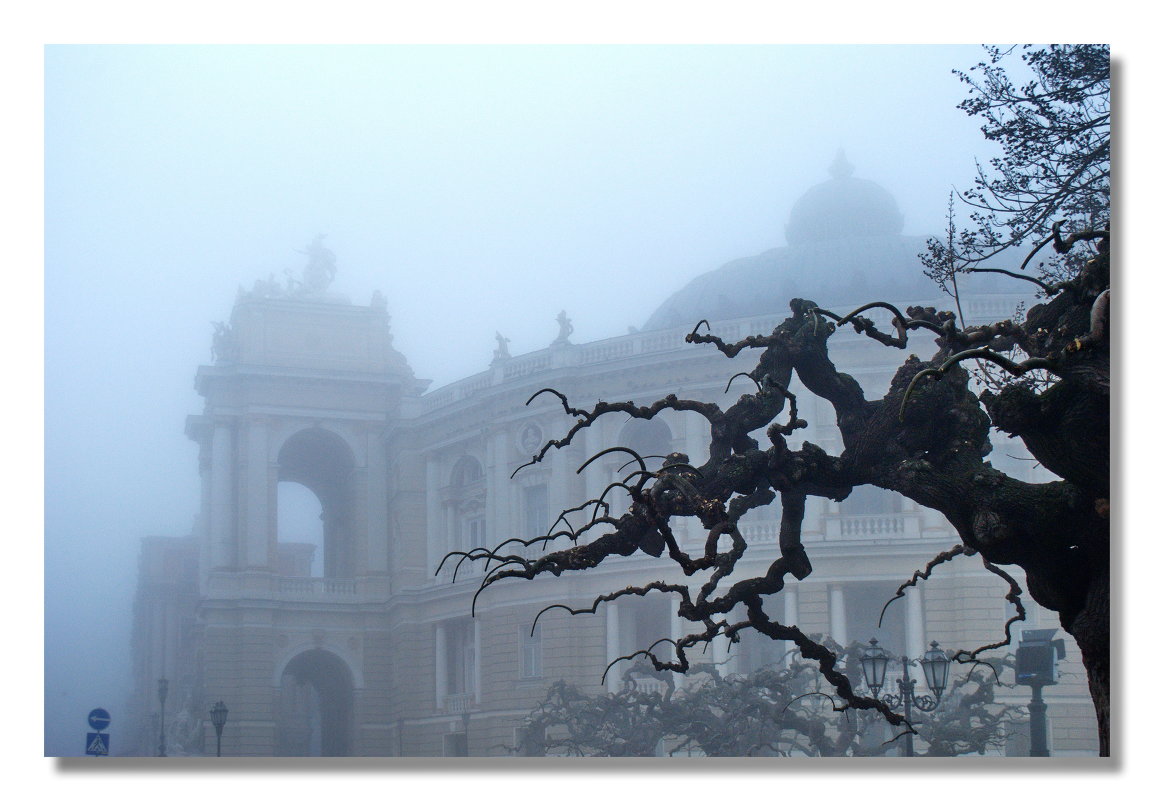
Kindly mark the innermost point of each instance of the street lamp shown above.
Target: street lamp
(936, 666)
(219, 714)
(1037, 667)
(162, 692)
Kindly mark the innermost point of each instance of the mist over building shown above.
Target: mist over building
(330, 632)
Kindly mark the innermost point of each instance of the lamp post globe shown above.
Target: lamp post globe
(874, 662)
(935, 665)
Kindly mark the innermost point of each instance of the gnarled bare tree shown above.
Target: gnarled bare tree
(926, 438)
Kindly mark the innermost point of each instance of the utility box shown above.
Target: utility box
(1037, 657)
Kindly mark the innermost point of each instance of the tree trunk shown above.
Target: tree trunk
(1091, 630)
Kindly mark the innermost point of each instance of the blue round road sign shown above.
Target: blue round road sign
(99, 719)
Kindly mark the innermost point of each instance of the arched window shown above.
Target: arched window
(465, 510)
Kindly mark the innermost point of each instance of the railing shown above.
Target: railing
(527, 365)
(467, 567)
(870, 527)
(761, 531)
(302, 585)
(649, 342)
(607, 352)
(457, 703)
(648, 685)
(833, 529)
(992, 308)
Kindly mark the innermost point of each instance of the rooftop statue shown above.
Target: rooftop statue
(502, 351)
(319, 272)
(223, 342)
(566, 328)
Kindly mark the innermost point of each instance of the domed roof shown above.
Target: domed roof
(844, 247)
(843, 207)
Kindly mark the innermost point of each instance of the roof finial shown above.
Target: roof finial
(840, 167)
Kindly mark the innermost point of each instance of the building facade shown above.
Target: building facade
(354, 643)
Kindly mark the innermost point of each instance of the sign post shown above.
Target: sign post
(96, 742)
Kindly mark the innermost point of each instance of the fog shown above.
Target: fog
(478, 188)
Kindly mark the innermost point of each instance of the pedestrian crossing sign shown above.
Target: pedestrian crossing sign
(97, 744)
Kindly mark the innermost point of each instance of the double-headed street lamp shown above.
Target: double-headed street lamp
(936, 666)
(219, 714)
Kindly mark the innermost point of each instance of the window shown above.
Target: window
(460, 658)
(863, 604)
(870, 500)
(474, 534)
(530, 649)
(756, 650)
(467, 471)
(536, 511)
(465, 512)
(642, 622)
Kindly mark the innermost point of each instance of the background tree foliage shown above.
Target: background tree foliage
(774, 711)
(1054, 134)
(928, 437)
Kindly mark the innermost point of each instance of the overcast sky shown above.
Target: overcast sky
(480, 189)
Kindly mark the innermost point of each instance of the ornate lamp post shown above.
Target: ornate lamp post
(162, 693)
(219, 714)
(936, 666)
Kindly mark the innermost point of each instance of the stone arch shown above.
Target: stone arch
(315, 717)
(323, 462)
(466, 470)
(290, 428)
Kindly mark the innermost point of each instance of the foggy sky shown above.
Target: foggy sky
(479, 188)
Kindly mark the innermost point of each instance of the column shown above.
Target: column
(789, 598)
(433, 553)
(915, 623)
(558, 462)
(675, 631)
(373, 517)
(257, 546)
(498, 505)
(476, 661)
(440, 655)
(221, 498)
(612, 646)
(837, 614)
(594, 474)
(696, 437)
(721, 654)
(493, 479)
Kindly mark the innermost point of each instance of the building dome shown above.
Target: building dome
(843, 207)
(844, 247)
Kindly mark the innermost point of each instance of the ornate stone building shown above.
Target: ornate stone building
(354, 644)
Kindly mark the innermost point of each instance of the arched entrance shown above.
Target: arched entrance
(320, 461)
(316, 706)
